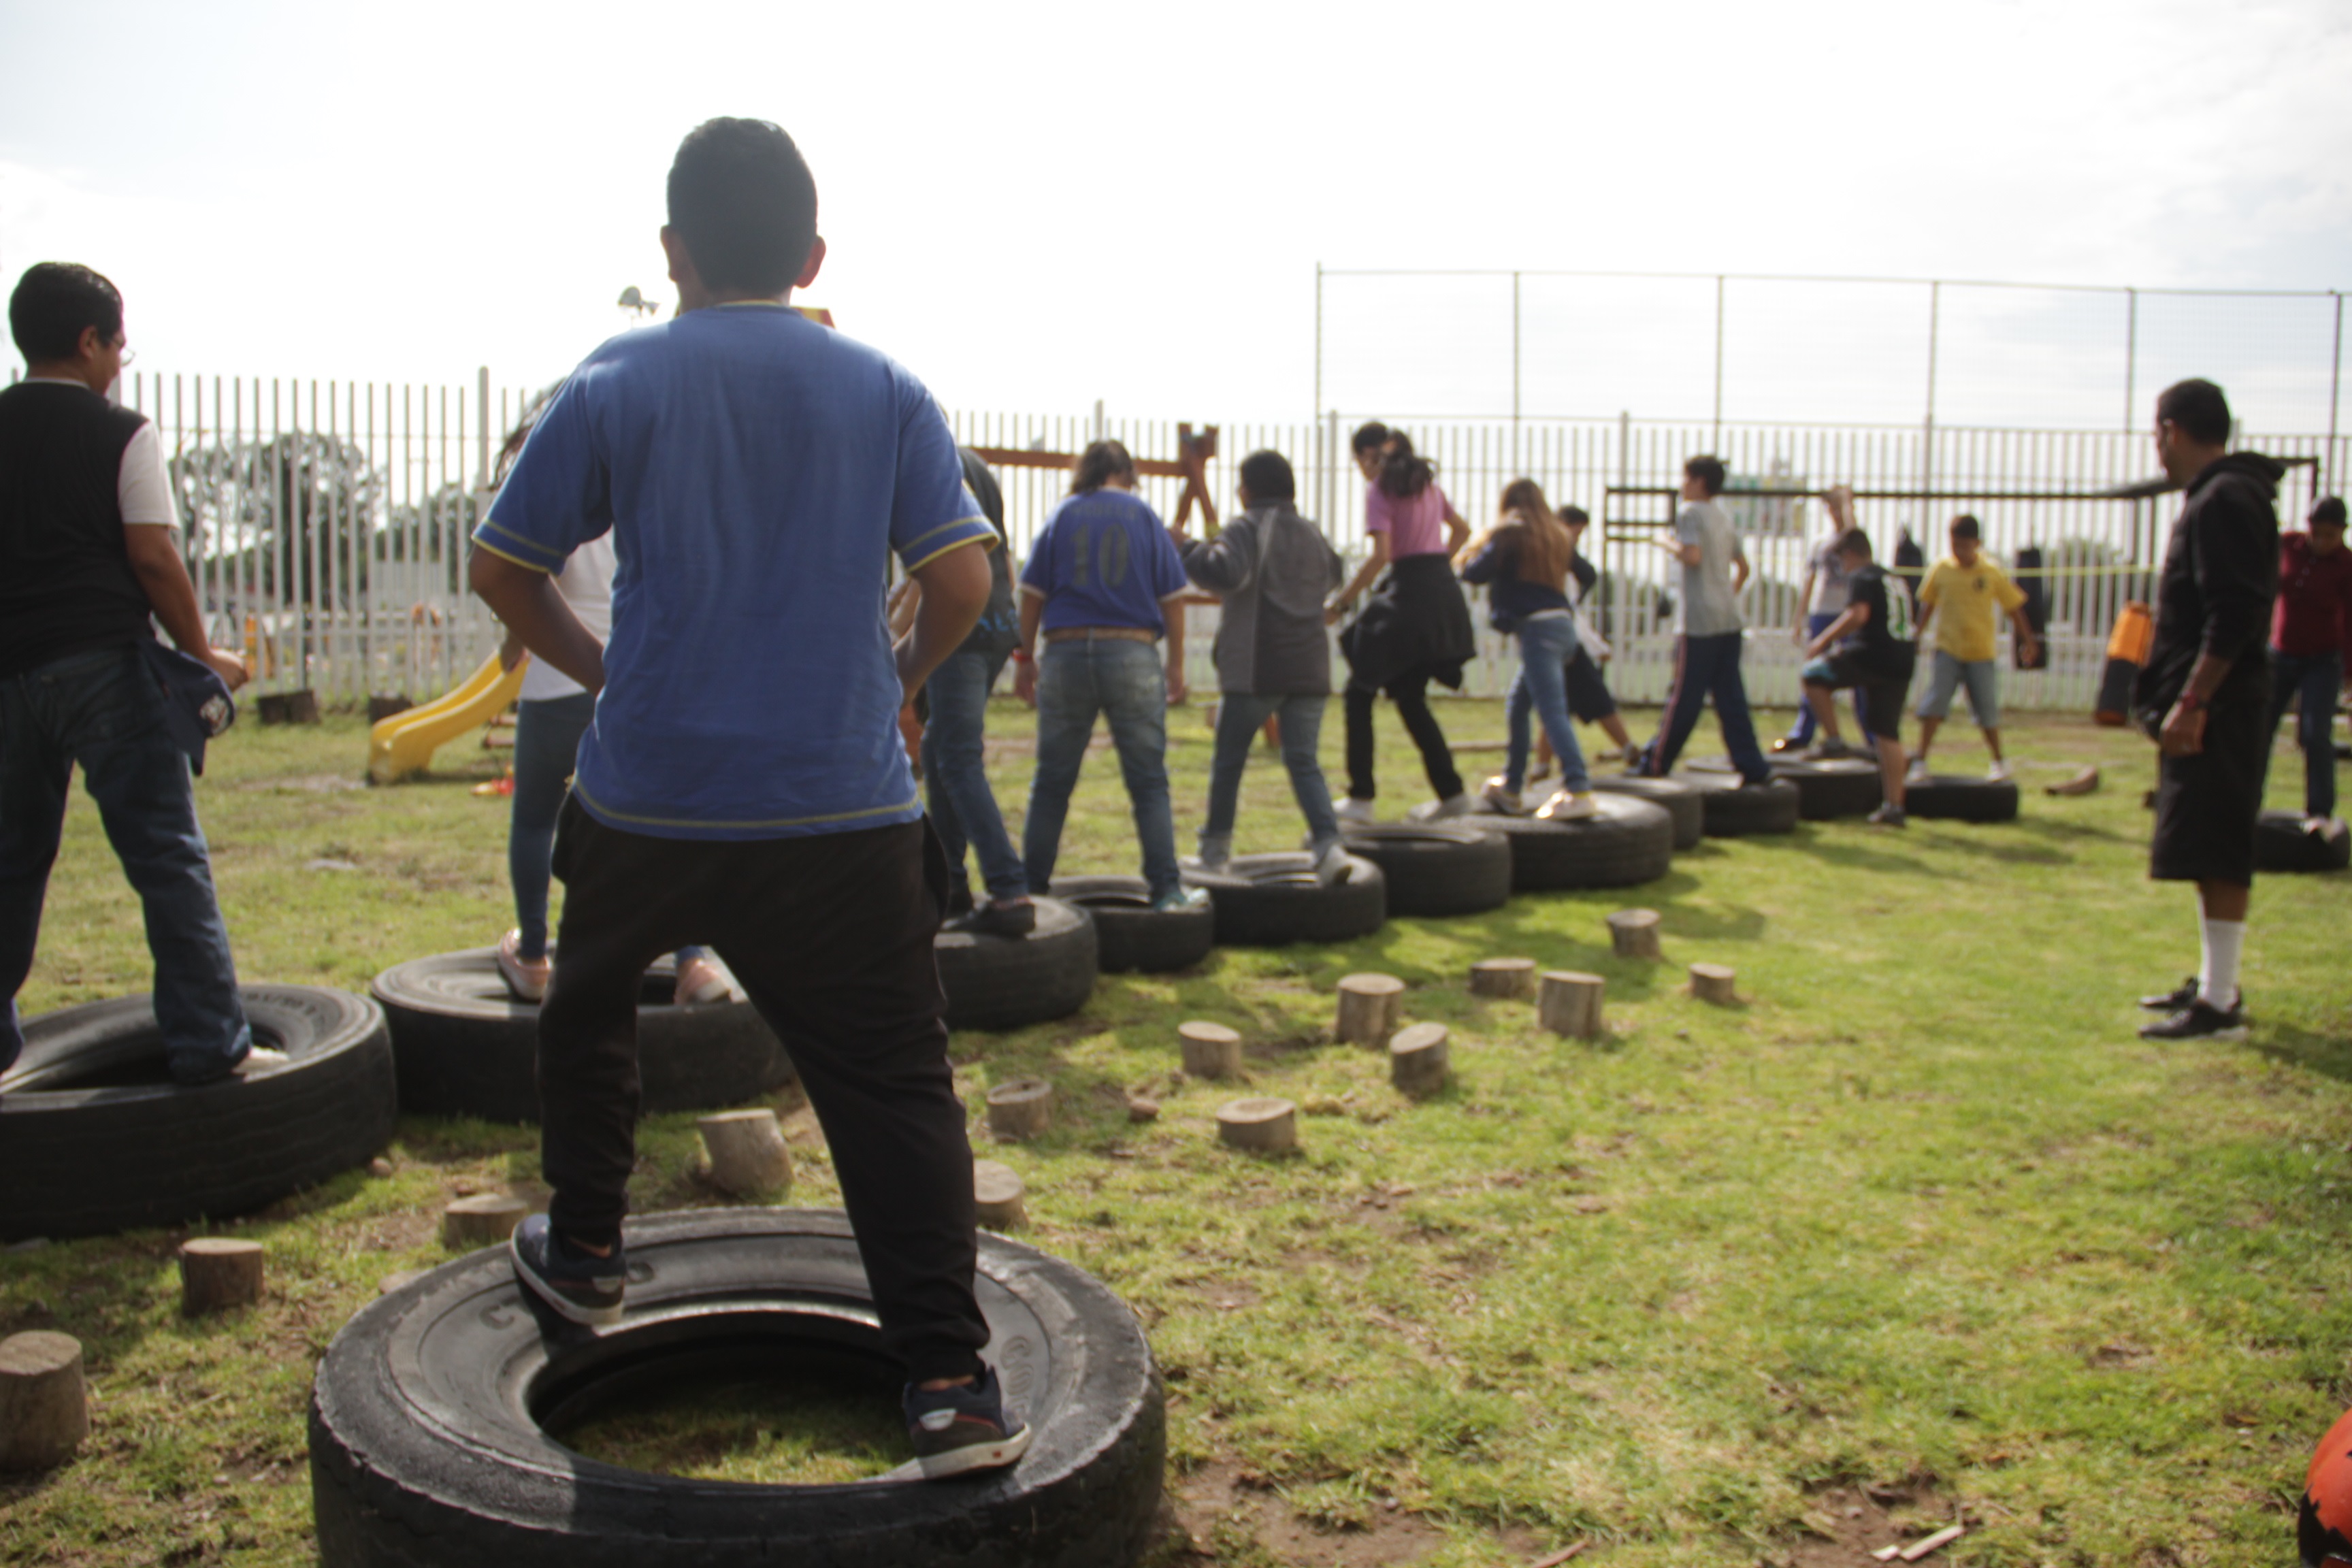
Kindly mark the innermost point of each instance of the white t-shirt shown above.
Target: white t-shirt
(586, 584)
(1708, 606)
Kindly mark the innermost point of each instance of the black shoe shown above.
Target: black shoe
(959, 1430)
(2173, 1001)
(999, 917)
(959, 902)
(2200, 1020)
(578, 1285)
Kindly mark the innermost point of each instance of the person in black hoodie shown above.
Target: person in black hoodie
(2205, 691)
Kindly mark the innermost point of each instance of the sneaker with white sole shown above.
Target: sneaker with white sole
(1888, 815)
(1216, 850)
(1568, 805)
(1180, 899)
(1354, 810)
(1826, 750)
(526, 977)
(2200, 1020)
(700, 981)
(576, 1283)
(1917, 772)
(962, 1429)
(1496, 792)
(1999, 772)
(1452, 805)
(1331, 861)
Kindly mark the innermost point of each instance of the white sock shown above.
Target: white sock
(2217, 982)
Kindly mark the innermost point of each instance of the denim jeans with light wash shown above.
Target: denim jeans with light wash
(1240, 716)
(1122, 681)
(103, 710)
(2316, 676)
(955, 779)
(546, 751)
(1541, 685)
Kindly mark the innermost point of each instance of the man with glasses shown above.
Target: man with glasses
(89, 551)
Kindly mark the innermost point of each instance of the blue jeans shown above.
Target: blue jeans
(546, 750)
(1122, 681)
(2317, 678)
(1240, 716)
(1802, 733)
(102, 710)
(955, 779)
(1541, 685)
(1710, 668)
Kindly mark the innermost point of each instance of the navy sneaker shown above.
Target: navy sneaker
(578, 1285)
(962, 1429)
(2200, 1020)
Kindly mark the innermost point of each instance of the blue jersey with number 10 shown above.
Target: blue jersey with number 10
(1104, 558)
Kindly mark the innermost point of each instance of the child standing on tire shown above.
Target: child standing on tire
(744, 783)
(1526, 558)
(1960, 591)
(1874, 657)
(1274, 569)
(1101, 586)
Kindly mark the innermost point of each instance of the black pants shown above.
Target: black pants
(1410, 692)
(831, 936)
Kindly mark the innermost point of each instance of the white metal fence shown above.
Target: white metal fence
(325, 522)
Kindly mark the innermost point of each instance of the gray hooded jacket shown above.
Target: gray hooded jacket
(1274, 570)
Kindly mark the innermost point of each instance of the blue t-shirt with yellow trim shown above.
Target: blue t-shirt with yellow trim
(1104, 558)
(756, 471)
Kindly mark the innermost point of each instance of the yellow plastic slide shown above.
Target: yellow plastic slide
(404, 745)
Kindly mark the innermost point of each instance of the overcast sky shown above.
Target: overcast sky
(1038, 205)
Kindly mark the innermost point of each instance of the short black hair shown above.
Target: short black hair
(745, 204)
(2196, 406)
(1267, 474)
(1575, 516)
(1853, 541)
(54, 301)
(2328, 512)
(1707, 471)
(1966, 526)
(1368, 437)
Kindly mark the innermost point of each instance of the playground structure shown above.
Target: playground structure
(403, 745)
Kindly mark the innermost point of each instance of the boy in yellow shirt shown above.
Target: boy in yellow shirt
(1960, 591)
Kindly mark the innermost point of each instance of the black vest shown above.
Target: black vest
(66, 584)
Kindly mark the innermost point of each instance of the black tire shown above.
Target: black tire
(427, 1448)
(94, 1138)
(1436, 868)
(1827, 790)
(2282, 845)
(464, 1046)
(1736, 810)
(1273, 901)
(1955, 798)
(1006, 981)
(1632, 841)
(1128, 936)
(1681, 799)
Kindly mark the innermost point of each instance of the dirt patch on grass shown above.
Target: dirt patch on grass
(1851, 1522)
(1219, 1506)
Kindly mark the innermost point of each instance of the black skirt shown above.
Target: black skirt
(1415, 618)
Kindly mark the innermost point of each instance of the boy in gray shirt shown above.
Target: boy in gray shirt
(1707, 615)
(1273, 569)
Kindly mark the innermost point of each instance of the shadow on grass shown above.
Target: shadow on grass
(2327, 1055)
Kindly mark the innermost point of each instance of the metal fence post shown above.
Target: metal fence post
(1928, 439)
(1717, 440)
(1318, 337)
(1515, 372)
(2131, 356)
(2335, 386)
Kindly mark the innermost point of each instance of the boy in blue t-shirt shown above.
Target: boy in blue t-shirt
(742, 784)
(1103, 583)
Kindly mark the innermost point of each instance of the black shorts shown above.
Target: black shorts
(1589, 701)
(2206, 805)
(1878, 696)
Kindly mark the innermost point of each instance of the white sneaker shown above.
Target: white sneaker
(1999, 772)
(1331, 861)
(1502, 797)
(1451, 806)
(526, 977)
(1917, 772)
(261, 1060)
(1216, 850)
(702, 980)
(1567, 806)
(1354, 810)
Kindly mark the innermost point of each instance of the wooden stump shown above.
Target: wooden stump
(748, 1156)
(1570, 1003)
(484, 1219)
(1418, 1058)
(383, 705)
(44, 1401)
(1503, 977)
(1712, 983)
(218, 1271)
(1634, 933)
(1210, 1050)
(289, 707)
(1368, 1007)
(1021, 1109)
(1142, 1108)
(996, 1191)
(1260, 1123)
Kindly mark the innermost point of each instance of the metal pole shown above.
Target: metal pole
(2335, 386)
(1318, 337)
(2131, 356)
(1927, 442)
(1515, 372)
(1717, 439)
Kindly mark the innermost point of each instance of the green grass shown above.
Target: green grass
(1922, 1216)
